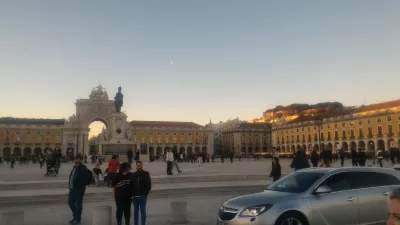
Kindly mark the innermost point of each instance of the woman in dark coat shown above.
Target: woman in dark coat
(299, 161)
(276, 169)
(314, 158)
(362, 157)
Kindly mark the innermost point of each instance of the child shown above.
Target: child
(276, 169)
(97, 171)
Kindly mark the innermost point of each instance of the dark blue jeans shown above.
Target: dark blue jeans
(75, 201)
(139, 203)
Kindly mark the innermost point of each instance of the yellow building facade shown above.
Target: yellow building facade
(369, 128)
(27, 136)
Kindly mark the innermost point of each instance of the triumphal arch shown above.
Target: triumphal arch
(98, 107)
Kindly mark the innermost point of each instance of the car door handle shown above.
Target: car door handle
(351, 199)
(385, 193)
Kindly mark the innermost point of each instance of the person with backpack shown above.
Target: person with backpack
(79, 177)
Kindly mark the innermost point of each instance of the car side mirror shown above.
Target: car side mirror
(323, 189)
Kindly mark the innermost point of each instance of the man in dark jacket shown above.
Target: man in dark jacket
(77, 186)
(141, 183)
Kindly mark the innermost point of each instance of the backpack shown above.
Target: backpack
(89, 177)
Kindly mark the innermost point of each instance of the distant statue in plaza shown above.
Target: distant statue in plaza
(118, 100)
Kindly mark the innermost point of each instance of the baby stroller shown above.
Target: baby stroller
(52, 168)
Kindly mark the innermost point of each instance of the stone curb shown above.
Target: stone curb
(5, 186)
(106, 196)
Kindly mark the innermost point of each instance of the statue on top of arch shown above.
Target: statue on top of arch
(99, 93)
(119, 100)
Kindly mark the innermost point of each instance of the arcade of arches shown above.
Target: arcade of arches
(367, 145)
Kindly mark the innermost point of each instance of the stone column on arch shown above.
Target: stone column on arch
(376, 144)
(386, 140)
(86, 146)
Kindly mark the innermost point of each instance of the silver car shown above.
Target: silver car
(331, 196)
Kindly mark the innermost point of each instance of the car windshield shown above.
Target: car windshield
(296, 182)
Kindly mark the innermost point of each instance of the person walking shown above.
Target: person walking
(299, 161)
(199, 159)
(169, 158)
(113, 166)
(362, 157)
(78, 179)
(122, 191)
(314, 158)
(342, 155)
(141, 183)
(379, 156)
(354, 157)
(129, 154)
(276, 169)
(137, 155)
(97, 172)
(175, 162)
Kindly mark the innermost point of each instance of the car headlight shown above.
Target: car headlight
(255, 210)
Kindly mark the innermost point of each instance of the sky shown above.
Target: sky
(231, 58)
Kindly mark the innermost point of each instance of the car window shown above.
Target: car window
(338, 182)
(372, 179)
(383, 179)
(296, 182)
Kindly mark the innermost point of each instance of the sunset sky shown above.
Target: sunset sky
(183, 60)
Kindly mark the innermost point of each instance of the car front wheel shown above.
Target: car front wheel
(291, 219)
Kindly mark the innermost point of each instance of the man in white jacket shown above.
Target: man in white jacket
(169, 158)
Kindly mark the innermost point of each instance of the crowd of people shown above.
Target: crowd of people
(127, 188)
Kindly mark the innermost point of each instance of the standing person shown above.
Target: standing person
(122, 192)
(141, 183)
(199, 159)
(169, 158)
(354, 157)
(314, 158)
(113, 166)
(129, 154)
(342, 155)
(276, 169)
(137, 155)
(181, 158)
(362, 157)
(379, 156)
(231, 157)
(299, 161)
(12, 161)
(78, 179)
(326, 161)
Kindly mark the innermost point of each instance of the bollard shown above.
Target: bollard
(12, 218)
(179, 212)
(102, 215)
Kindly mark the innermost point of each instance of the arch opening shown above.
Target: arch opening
(97, 134)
